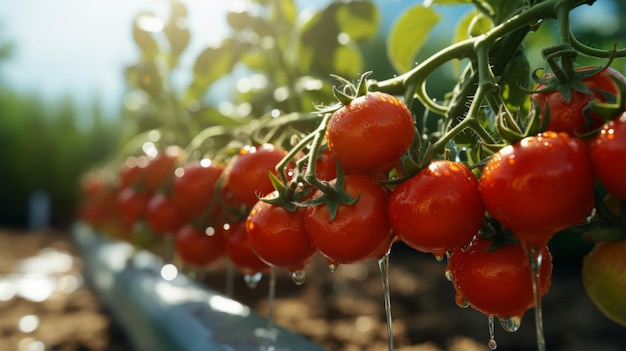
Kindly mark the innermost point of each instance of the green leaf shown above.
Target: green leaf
(347, 61)
(446, 2)
(284, 11)
(408, 35)
(214, 63)
(359, 20)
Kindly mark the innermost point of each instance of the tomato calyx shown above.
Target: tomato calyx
(612, 108)
(513, 129)
(331, 196)
(499, 236)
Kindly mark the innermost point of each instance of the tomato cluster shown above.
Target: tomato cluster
(349, 196)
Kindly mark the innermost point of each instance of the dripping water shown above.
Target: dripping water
(383, 265)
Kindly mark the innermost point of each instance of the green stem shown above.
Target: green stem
(310, 176)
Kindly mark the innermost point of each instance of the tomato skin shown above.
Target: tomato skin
(437, 209)
(247, 175)
(538, 186)
(162, 215)
(608, 156)
(278, 236)
(371, 132)
(160, 169)
(569, 118)
(131, 204)
(197, 247)
(194, 184)
(604, 278)
(358, 230)
(239, 251)
(497, 282)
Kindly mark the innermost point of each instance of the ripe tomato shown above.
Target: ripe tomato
(497, 282)
(538, 186)
(371, 132)
(160, 169)
(247, 175)
(604, 278)
(194, 184)
(132, 172)
(437, 209)
(278, 236)
(162, 215)
(570, 117)
(131, 204)
(608, 156)
(239, 251)
(199, 248)
(358, 230)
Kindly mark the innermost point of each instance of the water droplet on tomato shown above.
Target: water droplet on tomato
(439, 257)
(298, 277)
(511, 324)
(448, 274)
(492, 344)
(460, 301)
(332, 267)
(252, 280)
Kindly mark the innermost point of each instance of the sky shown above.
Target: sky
(79, 48)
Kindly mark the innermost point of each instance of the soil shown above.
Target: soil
(342, 310)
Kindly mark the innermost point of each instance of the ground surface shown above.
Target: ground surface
(342, 311)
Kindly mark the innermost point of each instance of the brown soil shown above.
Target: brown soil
(342, 311)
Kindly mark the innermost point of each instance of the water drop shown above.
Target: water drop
(511, 324)
(492, 344)
(298, 277)
(332, 267)
(448, 274)
(383, 265)
(535, 257)
(252, 280)
(460, 301)
(439, 257)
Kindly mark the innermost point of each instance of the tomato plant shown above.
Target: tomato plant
(568, 104)
(370, 132)
(247, 175)
(607, 149)
(357, 231)
(539, 186)
(239, 251)
(278, 236)
(194, 186)
(437, 209)
(497, 282)
(162, 215)
(199, 248)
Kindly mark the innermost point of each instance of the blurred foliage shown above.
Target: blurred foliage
(43, 148)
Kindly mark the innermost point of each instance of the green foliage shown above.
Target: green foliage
(42, 148)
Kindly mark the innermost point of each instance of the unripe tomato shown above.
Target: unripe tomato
(278, 236)
(497, 282)
(370, 133)
(437, 209)
(538, 186)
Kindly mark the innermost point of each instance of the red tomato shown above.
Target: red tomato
(358, 230)
(162, 215)
(371, 132)
(160, 169)
(278, 236)
(437, 209)
(538, 186)
(247, 175)
(133, 171)
(608, 156)
(570, 117)
(131, 204)
(197, 247)
(194, 184)
(497, 282)
(239, 251)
